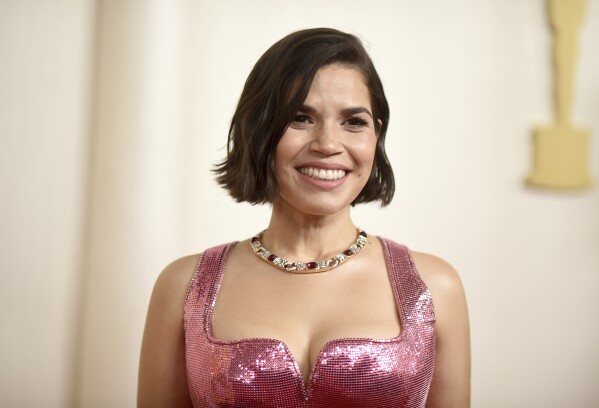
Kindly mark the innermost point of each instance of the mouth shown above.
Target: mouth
(323, 174)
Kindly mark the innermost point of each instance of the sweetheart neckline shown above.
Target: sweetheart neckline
(306, 387)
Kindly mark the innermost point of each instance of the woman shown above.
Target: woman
(312, 312)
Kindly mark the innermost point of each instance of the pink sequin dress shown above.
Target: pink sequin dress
(352, 372)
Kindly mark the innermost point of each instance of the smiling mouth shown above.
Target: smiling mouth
(322, 174)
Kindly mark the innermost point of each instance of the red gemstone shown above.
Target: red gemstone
(255, 239)
(311, 265)
(348, 252)
(363, 234)
(272, 257)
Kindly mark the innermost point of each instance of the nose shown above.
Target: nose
(326, 140)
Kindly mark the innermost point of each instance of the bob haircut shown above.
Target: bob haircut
(273, 94)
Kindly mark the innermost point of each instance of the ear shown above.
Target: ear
(380, 122)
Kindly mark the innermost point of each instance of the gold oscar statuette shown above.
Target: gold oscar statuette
(561, 150)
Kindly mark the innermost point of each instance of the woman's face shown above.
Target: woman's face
(325, 156)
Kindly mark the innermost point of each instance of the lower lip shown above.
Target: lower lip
(324, 184)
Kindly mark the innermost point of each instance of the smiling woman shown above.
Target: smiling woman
(325, 157)
(311, 312)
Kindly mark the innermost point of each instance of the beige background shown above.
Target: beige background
(112, 113)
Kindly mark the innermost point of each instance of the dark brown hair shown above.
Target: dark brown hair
(274, 92)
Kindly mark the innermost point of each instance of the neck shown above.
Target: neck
(301, 237)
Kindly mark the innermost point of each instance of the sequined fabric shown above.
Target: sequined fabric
(348, 373)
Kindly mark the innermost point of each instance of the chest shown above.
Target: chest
(305, 312)
(244, 336)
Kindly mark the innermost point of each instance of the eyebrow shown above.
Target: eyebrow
(346, 112)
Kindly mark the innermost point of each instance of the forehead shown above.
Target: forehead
(339, 83)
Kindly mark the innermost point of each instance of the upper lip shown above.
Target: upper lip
(325, 166)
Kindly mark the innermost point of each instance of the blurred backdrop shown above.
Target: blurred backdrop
(112, 114)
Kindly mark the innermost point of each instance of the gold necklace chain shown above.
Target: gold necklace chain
(312, 266)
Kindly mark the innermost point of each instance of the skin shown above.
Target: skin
(334, 129)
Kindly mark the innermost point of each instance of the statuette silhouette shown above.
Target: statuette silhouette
(561, 150)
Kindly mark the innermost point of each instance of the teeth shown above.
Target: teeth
(322, 174)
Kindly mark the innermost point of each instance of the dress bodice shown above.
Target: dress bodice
(349, 372)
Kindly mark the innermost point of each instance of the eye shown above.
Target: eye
(355, 122)
(301, 120)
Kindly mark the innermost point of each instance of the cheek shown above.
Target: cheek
(287, 149)
(365, 152)
(280, 158)
(284, 155)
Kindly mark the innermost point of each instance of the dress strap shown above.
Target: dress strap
(205, 284)
(413, 298)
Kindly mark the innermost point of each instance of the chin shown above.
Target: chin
(319, 206)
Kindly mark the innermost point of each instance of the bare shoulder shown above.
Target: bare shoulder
(176, 277)
(168, 296)
(439, 276)
(447, 291)
(162, 378)
(451, 379)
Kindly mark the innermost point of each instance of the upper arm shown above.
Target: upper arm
(451, 378)
(162, 374)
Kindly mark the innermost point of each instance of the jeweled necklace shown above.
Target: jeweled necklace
(312, 266)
